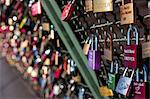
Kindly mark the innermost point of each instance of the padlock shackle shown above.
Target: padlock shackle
(137, 75)
(87, 40)
(123, 2)
(92, 45)
(117, 66)
(96, 43)
(112, 65)
(126, 71)
(111, 42)
(73, 1)
(132, 74)
(129, 33)
(145, 72)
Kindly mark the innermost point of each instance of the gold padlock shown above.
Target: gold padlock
(103, 5)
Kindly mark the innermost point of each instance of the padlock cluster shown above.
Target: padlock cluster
(106, 30)
(114, 35)
(31, 44)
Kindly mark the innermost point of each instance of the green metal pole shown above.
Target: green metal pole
(72, 45)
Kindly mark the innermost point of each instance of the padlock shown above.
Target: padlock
(124, 83)
(43, 81)
(94, 56)
(47, 52)
(56, 89)
(47, 62)
(8, 2)
(132, 52)
(108, 52)
(88, 5)
(86, 46)
(105, 91)
(102, 5)
(112, 76)
(81, 93)
(53, 58)
(56, 58)
(65, 63)
(45, 26)
(36, 25)
(68, 67)
(52, 34)
(140, 87)
(58, 72)
(68, 10)
(36, 8)
(58, 43)
(43, 44)
(146, 49)
(127, 13)
(18, 4)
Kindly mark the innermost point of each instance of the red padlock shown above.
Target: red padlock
(140, 87)
(131, 51)
(36, 8)
(68, 10)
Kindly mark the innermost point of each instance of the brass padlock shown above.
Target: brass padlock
(103, 5)
(88, 5)
(127, 13)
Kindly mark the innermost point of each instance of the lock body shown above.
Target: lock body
(36, 8)
(139, 90)
(108, 54)
(127, 13)
(130, 56)
(111, 81)
(86, 48)
(68, 10)
(88, 5)
(123, 85)
(102, 5)
(132, 52)
(146, 49)
(94, 59)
